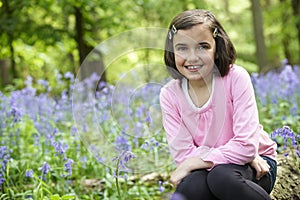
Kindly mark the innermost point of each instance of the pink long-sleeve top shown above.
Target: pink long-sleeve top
(224, 130)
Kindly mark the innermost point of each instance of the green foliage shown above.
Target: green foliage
(43, 33)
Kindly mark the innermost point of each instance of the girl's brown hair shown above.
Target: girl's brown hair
(225, 50)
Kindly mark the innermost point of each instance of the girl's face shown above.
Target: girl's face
(194, 51)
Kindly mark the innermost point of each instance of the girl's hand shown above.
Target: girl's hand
(261, 166)
(186, 167)
(178, 175)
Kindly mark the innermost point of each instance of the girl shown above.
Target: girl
(210, 116)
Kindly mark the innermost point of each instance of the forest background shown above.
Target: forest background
(40, 37)
(47, 46)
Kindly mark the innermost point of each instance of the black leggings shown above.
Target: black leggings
(226, 182)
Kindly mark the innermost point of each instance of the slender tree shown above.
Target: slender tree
(261, 50)
(296, 13)
(9, 31)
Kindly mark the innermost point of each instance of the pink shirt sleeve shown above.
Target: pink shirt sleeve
(239, 149)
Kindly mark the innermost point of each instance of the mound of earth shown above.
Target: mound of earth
(287, 186)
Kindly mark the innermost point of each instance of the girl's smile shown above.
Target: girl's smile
(194, 50)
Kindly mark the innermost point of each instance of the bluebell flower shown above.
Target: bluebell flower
(16, 113)
(122, 159)
(150, 144)
(43, 82)
(2, 180)
(4, 157)
(122, 143)
(68, 166)
(128, 156)
(44, 169)
(161, 187)
(74, 131)
(29, 173)
(36, 138)
(69, 75)
(83, 161)
(102, 85)
(284, 62)
(288, 136)
(60, 148)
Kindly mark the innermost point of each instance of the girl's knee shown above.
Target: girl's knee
(194, 186)
(220, 172)
(226, 175)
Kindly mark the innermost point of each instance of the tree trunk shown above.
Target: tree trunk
(88, 66)
(296, 13)
(286, 37)
(10, 35)
(79, 35)
(4, 72)
(261, 50)
(226, 6)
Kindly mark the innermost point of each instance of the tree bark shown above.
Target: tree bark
(286, 37)
(87, 66)
(4, 72)
(261, 50)
(79, 34)
(10, 35)
(296, 13)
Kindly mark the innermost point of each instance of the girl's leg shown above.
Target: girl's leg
(194, 187)
(235, 182)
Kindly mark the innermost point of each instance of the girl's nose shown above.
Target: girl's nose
(193, 57)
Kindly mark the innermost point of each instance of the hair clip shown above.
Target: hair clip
(215, 33)
(173, 30)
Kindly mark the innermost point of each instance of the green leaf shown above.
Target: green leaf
(55, 197)
(66, 197)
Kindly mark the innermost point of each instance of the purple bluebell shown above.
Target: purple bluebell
(160, 186)
(2, 180)
(45, 168)
(4, 157)
(16, 114)
(122, 143)
(69, 75)
(289, 137)
(68, 166)
(60, 149)
(83, 161)
(74, 131)
(29, 173)
(123, 158)
(149, 145)
(286, 88)
(44, 83)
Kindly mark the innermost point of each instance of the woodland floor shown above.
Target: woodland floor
(287, 186)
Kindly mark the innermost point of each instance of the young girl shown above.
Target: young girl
(210, 116)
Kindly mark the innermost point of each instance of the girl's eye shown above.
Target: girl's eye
(203, 47)
(181, 48)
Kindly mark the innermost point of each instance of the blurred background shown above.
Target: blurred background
(43, 38)
(60, 137)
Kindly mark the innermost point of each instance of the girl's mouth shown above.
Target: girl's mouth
(193, 68)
